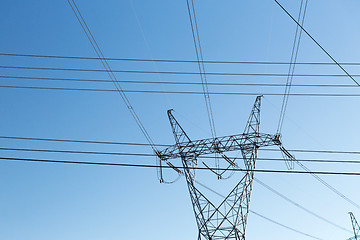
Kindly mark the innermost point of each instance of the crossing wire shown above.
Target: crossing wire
(117, 84)
(299, 205)
(289, 228)
(317, 43)
(201, 66)
(345, 71)
(300, 164)
(108, 69)
(294, 54)
(322, 181)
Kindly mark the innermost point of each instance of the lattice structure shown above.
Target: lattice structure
(355, 226)
(227, 220)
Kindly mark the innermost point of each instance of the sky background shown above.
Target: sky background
(56, 201)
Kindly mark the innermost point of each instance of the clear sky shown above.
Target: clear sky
(42, 201)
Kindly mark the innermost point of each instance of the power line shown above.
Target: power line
(317, 43)
(299, 205)
(294, 54)
(109, 71)
(314, 151)
(179, 167)
(162, 145)
(175, 60)
(154, 155)
(201, 66)
(184, 92)
(322, 181)
(80, 141)
(351, 77)
(46, 150)
(174, 72)
(289, 228)
(151, 144)
(178, 82)
(78, 152)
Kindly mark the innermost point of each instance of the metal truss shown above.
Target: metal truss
(355, 226)
(227, 220)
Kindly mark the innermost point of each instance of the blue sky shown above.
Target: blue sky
(53, 201)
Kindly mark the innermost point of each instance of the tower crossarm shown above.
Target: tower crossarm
(219, 145)
(229, 219)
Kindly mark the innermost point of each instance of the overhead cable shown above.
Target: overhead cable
(162, 145)
(109, 71)
(80, 141)
(173, 72)
(317, 43)
(289, 228)
(176, 60)
(201, 66)
(323, 182)
(300, 206)
(294, 54)
(179, 167)
(343, 161)
(184, 92)
(176, 82)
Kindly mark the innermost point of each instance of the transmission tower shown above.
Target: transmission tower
(227, 220)
(355, 226)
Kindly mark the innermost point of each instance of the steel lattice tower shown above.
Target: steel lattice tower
(227, 220)
(355, 227)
